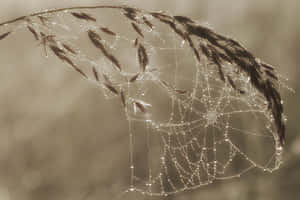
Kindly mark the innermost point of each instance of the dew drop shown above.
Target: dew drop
(182, 43)
(131, 189)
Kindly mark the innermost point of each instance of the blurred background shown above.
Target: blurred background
(56, 138)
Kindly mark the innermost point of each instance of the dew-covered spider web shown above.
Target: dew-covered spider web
(199, 106)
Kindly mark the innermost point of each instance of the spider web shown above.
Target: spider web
(196, 111)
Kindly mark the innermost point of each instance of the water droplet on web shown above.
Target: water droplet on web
(285, 118)
(279, 150)
(131, 189)
(182, 43)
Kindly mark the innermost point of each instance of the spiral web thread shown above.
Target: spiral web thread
(199, 106)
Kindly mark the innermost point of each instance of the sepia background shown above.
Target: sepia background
(61, 139)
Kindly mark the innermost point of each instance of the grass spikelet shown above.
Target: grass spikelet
(123, 99)
(4, 35)
(162, 17)
(106, 79)
(130, 13)
(180, 91)
(234, 86)
(147, 22)
(61, 55)
(114, 60)
(140, 106)
(272, 75)
(108, 31)
(142, 57)
(133, 79)
(96, 40)
(95, 74)
(111, 88)
(269, 67)
(136, 42)
(216, 60)
(83, 16)
(137, 29)
(67, 47)
(34, 33)
(43, 20)
(183, 19)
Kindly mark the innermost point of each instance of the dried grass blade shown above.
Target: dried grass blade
(83, 16)
(205, 50)
(216, 60)
(68, 60)
(57, 51)
(225, 57)
(193, 47)
(231, 82)
(4, 35)
(107, 79)
(276, 106)
(137, 29)
(165, 84)
(162, 17)
(111, 88)
(60, 54)
(34, 33)
(142, 57)
(234, 86)
(179, 32)
(271, 74)
(180, 91)
(170, 21)
(95, 74)
(267, 66)
(140, 106)
(133, 79)
(80, 71)
(43, 19)
(123, 99)
(136, 42)
(108, 31)
(147, 22)
(183, 19)
(114, 61)
(130, 13)
(96, 40)
(67, 47)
